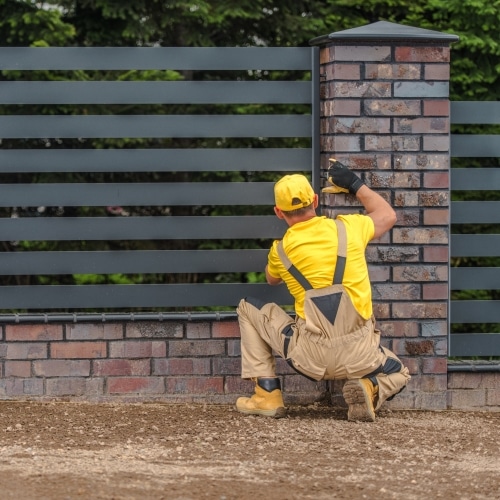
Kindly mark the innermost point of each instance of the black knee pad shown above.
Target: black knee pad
(392, 366)
(257, 303)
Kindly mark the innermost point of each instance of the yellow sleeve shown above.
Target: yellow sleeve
(274, 265)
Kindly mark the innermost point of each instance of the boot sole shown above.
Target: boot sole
(358, 400)
(274, 413)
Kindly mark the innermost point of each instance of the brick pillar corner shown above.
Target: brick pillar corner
(385, 114)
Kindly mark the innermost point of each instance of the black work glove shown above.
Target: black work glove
(342, 179)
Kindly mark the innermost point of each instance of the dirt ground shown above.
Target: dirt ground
(188, 451)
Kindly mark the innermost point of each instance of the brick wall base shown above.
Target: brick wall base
(176, 361)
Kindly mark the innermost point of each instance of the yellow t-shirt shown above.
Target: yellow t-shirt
(312, 248)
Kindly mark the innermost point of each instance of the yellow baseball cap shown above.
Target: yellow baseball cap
(292, 192)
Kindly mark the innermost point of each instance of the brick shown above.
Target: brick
(361, 53)
(342, 143)
(432, 401)
(421, 89)
(392, 254)
(19, 387)
(394, 180)
(435, 365)
(398, 328)
(359, 89)
(413, 364)
(236, 385)
(437, 71)
(420, 273)
(121, 367)
(406, 199)
(298, 383)
(361, 125)
(61, 368)
(233, 348)
(196, 348)
(195, 385)
(379, 273)
(78, 350)
(137, 349)
(423, 310)
(421, 125)
(408, 218)
(464, 380)
(436, 143)
(381, 310)
(430, 382)
(392, 143)
(460, 399)
(17, 369)
(393, 291)
(392, 71)
(226, 329)
(154, 329)
(422, 54)
(493, 397)
(198, 330)
(343, 72)
(182, 366)
(439, 217)
(433, 180)
(364, 161)
(88, 331)
(341, 107)
(22, 333)
(435, 291)
(135, 385)
(436, 254)
(24, 351)
(392, 107)
(406, 161)
(422, 236)
(68, 386)
(434, 328)
(440, 107)
(226, 366)
(433, 198)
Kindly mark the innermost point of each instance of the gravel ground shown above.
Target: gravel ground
(188, 451)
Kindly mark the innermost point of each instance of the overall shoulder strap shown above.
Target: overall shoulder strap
(339, 268)
(291, 268)
(341, 252)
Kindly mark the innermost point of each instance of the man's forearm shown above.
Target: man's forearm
(382, 214)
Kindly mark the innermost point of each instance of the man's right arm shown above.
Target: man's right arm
(382, 214)
(271, 279)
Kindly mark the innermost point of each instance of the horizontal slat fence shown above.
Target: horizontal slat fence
(63, 106)
(468, 239)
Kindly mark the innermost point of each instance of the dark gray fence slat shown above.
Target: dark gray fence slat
(154, 126)
(137, 194)
(156, 160)
(475, 112)
(135, 296)
(133, 262)
(178, 92)
(140, 228)
(475, 245)
(475, 212)
(475, 344)
(475, 179)
(475, 311)
(176, 58)
(475, 278)
(474, 146)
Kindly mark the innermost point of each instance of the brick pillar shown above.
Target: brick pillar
(385, 114)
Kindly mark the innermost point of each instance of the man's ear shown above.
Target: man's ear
(316, 201)
(278, 213)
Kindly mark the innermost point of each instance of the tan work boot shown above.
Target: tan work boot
(267, 399)
(360, 396)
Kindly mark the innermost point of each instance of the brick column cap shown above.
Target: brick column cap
(385, 31)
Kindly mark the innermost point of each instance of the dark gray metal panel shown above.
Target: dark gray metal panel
(316, 123)
(133, 262)
(140, 228)
(475, 112)
(475, 311)
(119, 126)
(179, 92)
(475, 179)
(475, 278)
(475, 344)
(134, 296)
(475, 245)
(474, 146)
(475, 212)
(176, 58)
(137, 194)
(156, 160)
